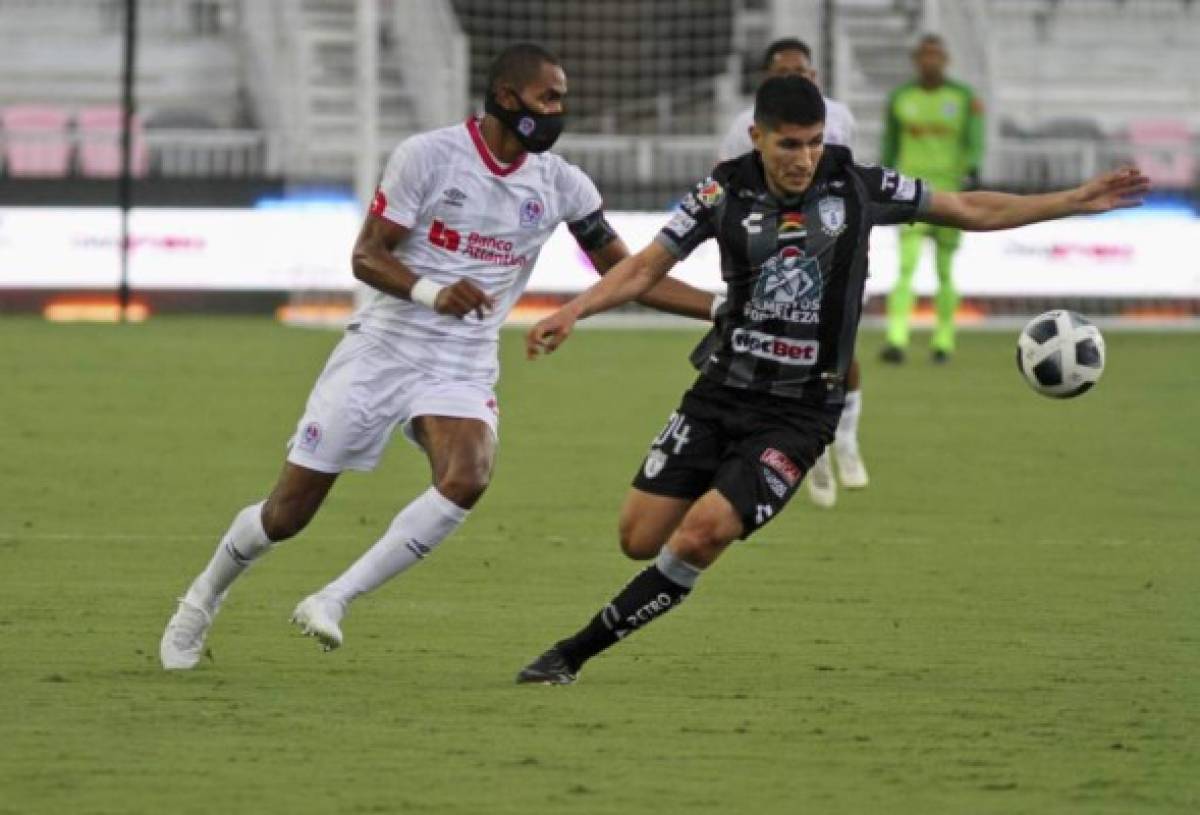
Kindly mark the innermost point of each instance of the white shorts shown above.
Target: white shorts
(368, 389)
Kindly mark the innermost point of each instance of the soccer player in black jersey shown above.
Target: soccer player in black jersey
(792, 220)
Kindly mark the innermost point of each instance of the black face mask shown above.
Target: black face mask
(536, 132)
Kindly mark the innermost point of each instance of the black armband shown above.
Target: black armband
(592, 232)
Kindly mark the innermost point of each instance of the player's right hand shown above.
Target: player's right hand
(549, 333)
(462, 298)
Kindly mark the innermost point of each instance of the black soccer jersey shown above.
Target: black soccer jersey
(795, 269)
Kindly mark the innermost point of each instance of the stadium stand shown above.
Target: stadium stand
(36, 141)
(232, 88)
(99, 130)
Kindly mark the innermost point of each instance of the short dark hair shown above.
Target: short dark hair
(930, 38)
(791, 100)
(782, 46)
(518, 65)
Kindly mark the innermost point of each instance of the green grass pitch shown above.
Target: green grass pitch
(1007, 620)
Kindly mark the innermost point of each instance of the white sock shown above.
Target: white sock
(414, 533)
(847, 429)
(244, 543)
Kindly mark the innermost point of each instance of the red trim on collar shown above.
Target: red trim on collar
(485, 152)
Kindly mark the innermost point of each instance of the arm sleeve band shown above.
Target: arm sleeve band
(592, 232)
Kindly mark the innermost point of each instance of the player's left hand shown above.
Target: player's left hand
(549, 333)
(1119, 189)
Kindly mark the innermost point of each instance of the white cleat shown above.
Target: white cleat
(318, 617)
(183, 641)
(822, 486)
(851, 470)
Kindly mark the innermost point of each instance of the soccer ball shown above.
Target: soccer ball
(1060, 354)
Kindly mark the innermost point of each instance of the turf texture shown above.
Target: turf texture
(1007, 620)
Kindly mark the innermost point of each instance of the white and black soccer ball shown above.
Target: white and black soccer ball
(1060, 354)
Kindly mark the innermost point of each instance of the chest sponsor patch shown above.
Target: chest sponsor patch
(784, 350)
(491, 249)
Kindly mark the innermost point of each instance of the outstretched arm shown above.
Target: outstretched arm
(669, 295)
(628, 280)
(987, 211)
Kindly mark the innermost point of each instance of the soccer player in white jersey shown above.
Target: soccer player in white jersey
(786, 57)
(447, 248)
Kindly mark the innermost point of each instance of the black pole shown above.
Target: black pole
(125, 185)
(828, 11)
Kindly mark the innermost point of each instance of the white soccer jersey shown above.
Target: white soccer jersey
(839, 129)
(470, 218)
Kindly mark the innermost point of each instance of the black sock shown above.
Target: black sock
(647, 597)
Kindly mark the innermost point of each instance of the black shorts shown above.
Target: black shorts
(751, 447)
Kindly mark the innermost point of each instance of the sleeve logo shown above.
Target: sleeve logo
(710, 193)
(378, 203)
(680, 224)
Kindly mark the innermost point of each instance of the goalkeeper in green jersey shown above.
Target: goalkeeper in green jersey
(934, 131)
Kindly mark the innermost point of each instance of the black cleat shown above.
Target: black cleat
(940, 357)
(891, 354)
(550, 668)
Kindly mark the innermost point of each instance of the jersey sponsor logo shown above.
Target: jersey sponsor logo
(833, 215)
(784, 350)
(378, 203)
(792, 225)
(680, 224)
(310, 437)
(788, 288)
(780, 463)
(484, 248)
(710, 193)
(453, 197)
(532, 211)
(931, 130)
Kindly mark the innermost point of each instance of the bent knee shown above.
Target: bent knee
(464, 488)
(638, 542)
(701, 541)
(285, 519)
